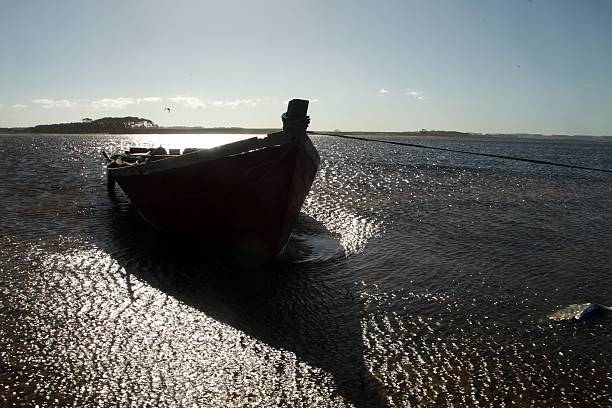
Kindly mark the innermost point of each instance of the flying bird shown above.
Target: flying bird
(167, 109)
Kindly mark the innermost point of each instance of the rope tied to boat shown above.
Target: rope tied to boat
(445, 149)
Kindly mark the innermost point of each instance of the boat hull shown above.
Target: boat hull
(247, 202)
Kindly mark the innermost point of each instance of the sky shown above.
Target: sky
(511, 66)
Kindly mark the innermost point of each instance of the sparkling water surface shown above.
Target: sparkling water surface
(414, 278)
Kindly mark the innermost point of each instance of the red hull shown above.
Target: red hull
(247, 201)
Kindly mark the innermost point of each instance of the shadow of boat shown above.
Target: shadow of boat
(284, 304)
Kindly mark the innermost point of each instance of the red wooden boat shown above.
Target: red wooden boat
(245, 195)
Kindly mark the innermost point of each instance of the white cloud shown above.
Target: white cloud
(233, 104)
(122, 103)
(415, 94)
(112, 103)
(239, 102)
(188, 101)
(382, 91)
(100, 104)
(54, 103)
(148, 99)
(19, 106)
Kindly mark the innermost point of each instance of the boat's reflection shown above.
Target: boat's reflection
(285, 304)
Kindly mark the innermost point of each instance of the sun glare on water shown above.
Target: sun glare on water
(182, 141)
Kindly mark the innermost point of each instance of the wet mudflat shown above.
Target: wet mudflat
(413, 278)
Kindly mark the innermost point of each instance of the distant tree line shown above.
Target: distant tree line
(104, 125)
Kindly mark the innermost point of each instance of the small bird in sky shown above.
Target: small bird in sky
(167, 109)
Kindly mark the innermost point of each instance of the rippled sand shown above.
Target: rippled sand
(413, 279)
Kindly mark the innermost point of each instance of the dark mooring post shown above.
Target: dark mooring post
(295, 119)
(110, 180)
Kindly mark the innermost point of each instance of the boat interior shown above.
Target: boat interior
(144, 155)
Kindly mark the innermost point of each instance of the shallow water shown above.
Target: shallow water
(414, 278)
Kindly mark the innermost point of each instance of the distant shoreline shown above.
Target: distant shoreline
(135, 125)
(442, 134)
(236, 130)
(152, 130)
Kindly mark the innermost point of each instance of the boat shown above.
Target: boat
(243, 196)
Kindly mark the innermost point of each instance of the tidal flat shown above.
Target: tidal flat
(413, 278)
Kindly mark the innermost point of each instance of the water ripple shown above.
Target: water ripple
(413, 279)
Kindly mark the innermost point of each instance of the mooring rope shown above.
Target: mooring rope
(445, 149)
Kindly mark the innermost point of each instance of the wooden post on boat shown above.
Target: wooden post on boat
(110, 180)
(295, 119)
(297, 108)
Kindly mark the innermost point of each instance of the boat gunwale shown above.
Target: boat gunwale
(204, 155)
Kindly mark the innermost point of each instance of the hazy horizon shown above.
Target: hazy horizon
(279, 126)
(540, 67)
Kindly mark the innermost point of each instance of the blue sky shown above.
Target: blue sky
(541, 66)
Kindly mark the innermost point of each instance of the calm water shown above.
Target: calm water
(414, 278)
